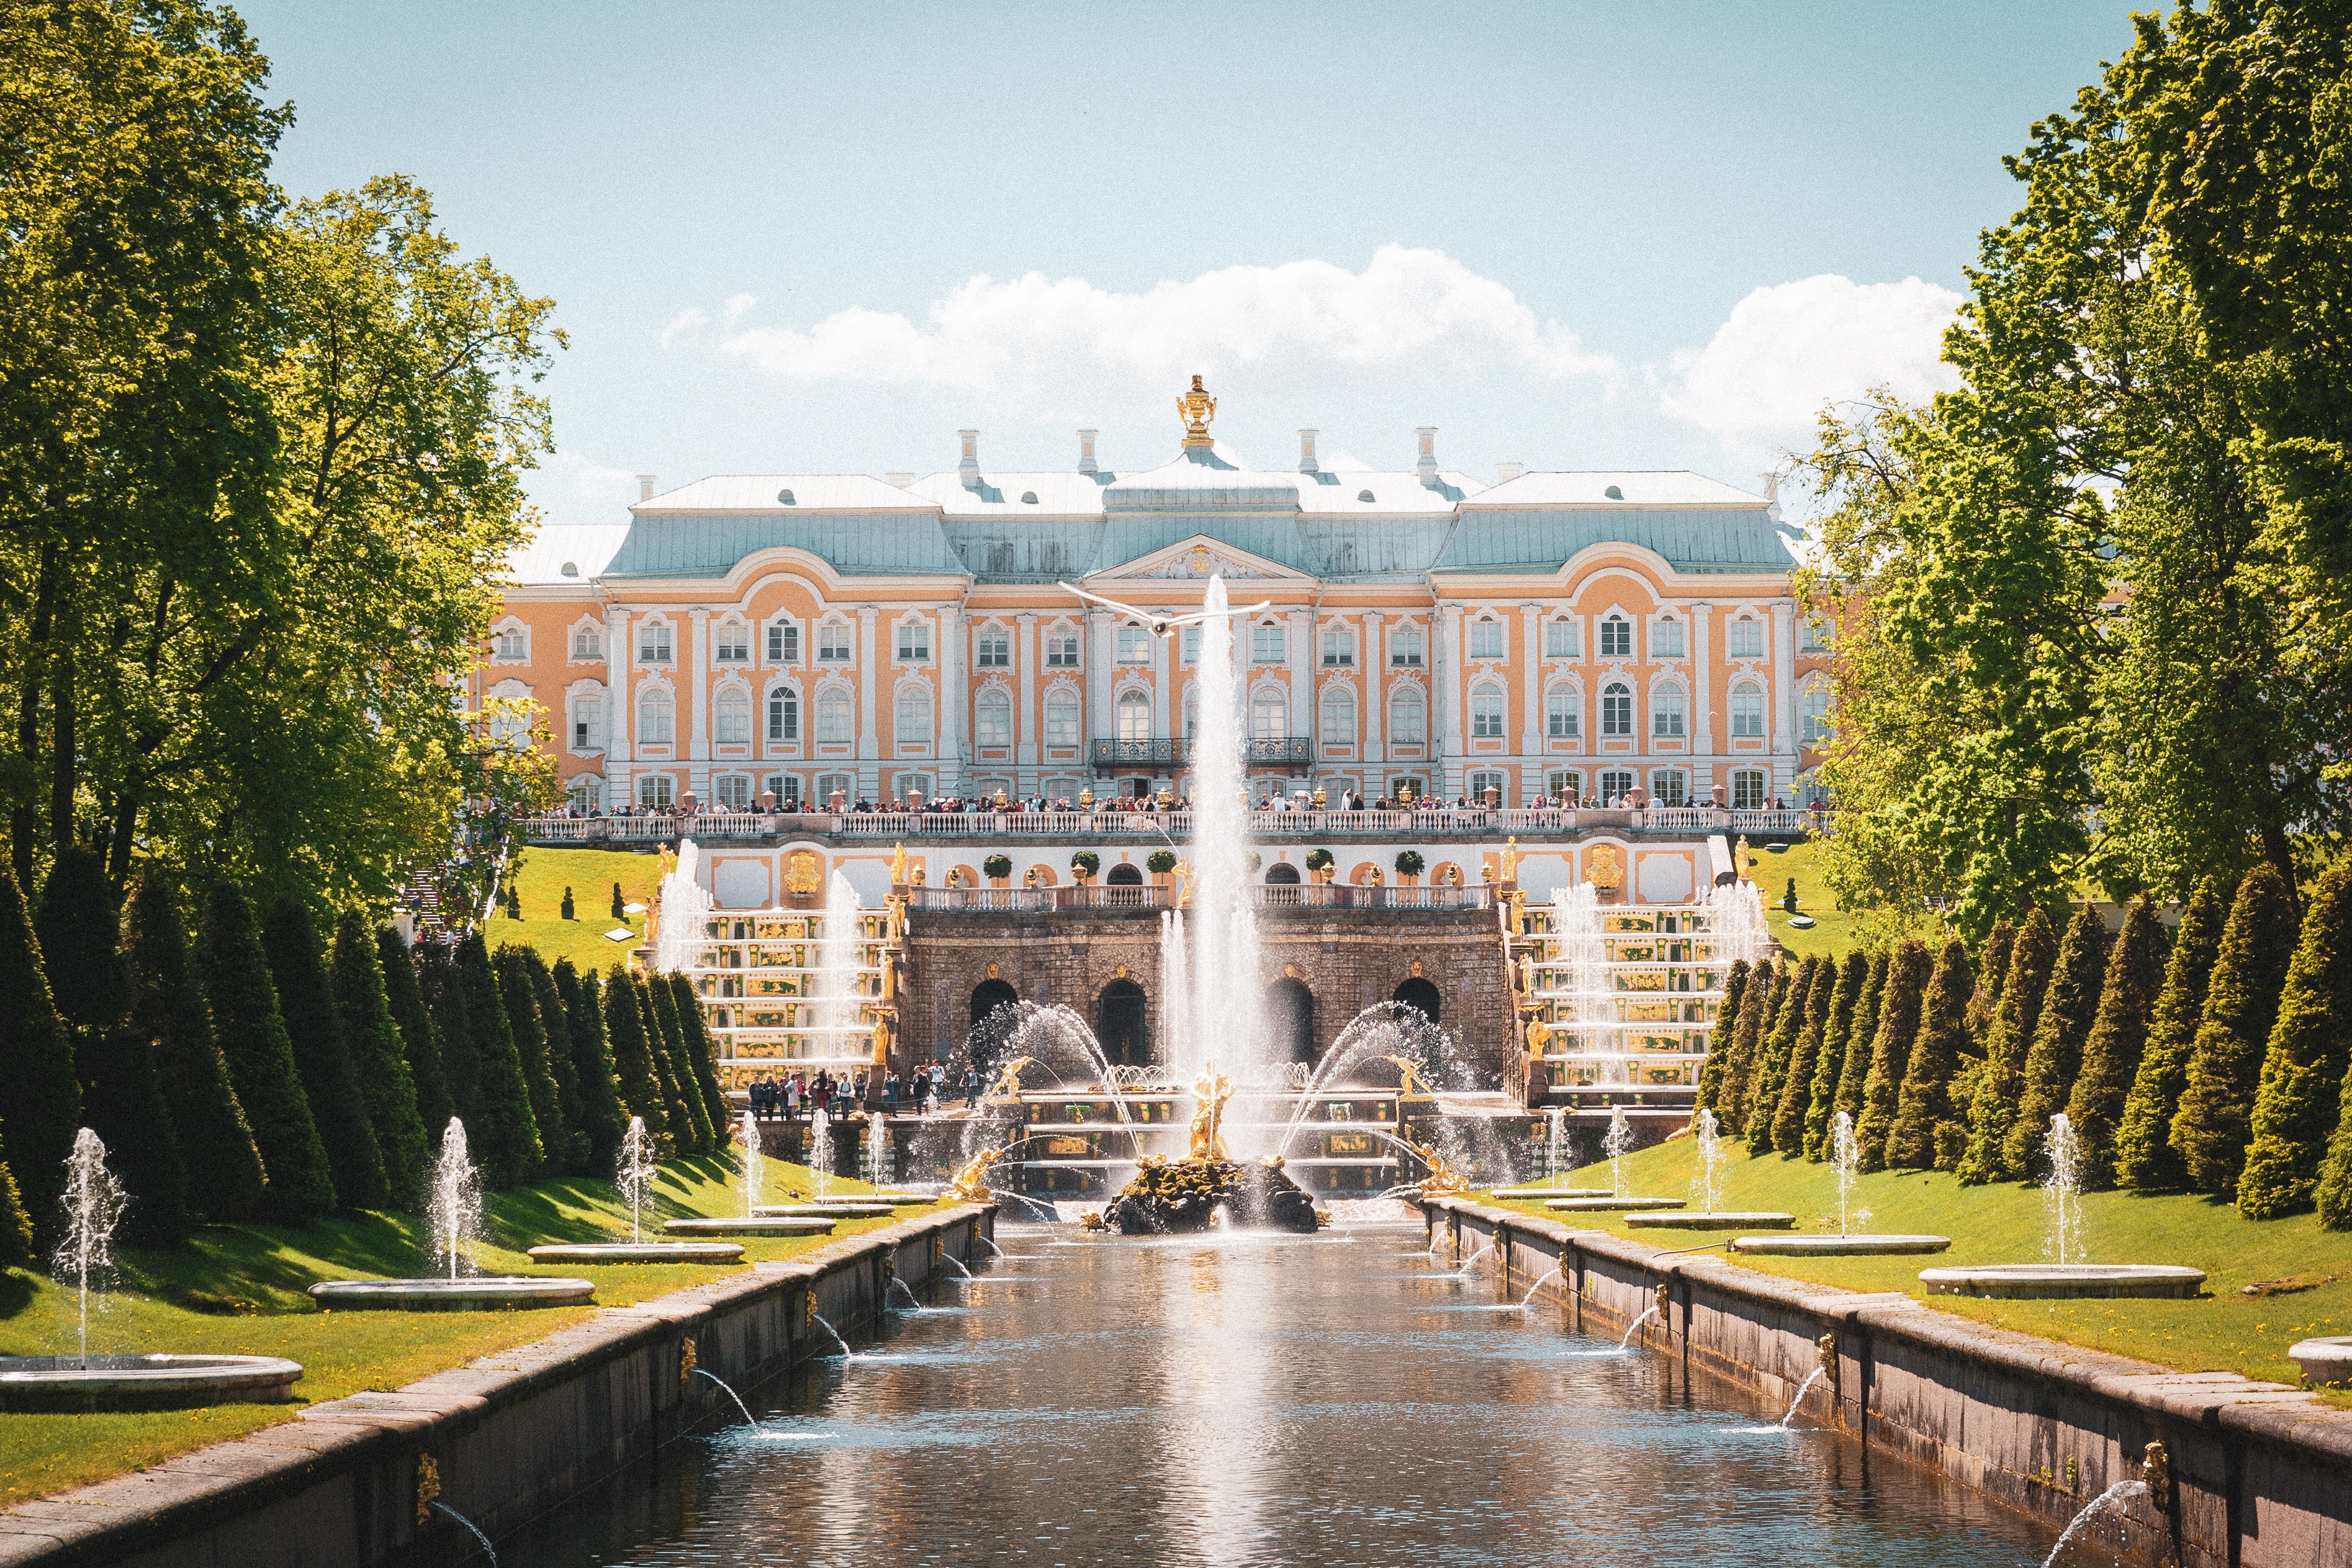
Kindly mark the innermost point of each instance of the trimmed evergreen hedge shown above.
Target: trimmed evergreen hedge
(1890, 1054)
(2215, 1121)
(40, 1096)
(501, 1130)
(2298, 1103)
(702, 1058)
(253, 1040)
(1862, 1036)
(2069, 1007)
(1829, 1069)
(306, 1001)
(2145, 1159)
(224, 1178)
(1992, 1108)
(1797, 1078)
(519, 998)
(419, 1047)
(1925, 1134)
(1719, 1037)
(2094, 1106)
(684, 1096)
(601, 1119)
(379, 1058)
(638, 1077)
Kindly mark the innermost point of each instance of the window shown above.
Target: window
(786, 788)
(1616, 787)
(1486, 638)
(588, 722)
(1269, 717)
(656, 718)
(733, 790)
(1338, 650)
(995, 650)
(1616, 637)
(588, 641)
(993, 719)
(1667, 639)
(1616, 709)
(914, 642)
(1192, 712)
(1266, 646)
(1669, 786)
(833, 642)
(730, 716)
(1404, 650)
(911, 722)
(1408, 718)
(830, 785)
(1816, 637)
(1190, 644)
(1062, 718)
(731, 644)
(654, 790)
(1748, 790)
(1134, 716)
(586, 793)
(1560, 637)
(510, 642)
(1338, 717)
(1487, 712)
(1565, 782)
(1813, 709)
(783, 717)
(1563, 717)
(833, 718)
(784, 643)
(1666, 713)
(914, 786)
(1747, 714)
(1745, 638)
(1061, 651)
(1480, 782)
(1134, 644)
(653, 643)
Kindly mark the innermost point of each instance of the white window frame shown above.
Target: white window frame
(1269, 714)
(1339, 649)
(1668, 638)
(1746, 711)
(991, 649)
(657, 643)
(1616, 711)
(993, 717)
(1616, 635)
(1062, 650)
(1487, 711)
(1750, 789)
(837, 711)
(510, 642)
(657, 790)
(1563, 714)
(1133, 645)
(1669, 787)
(783, 642)
(914, 642)
(912, 701)
(1669, 713)
(1406, 647)
(1744, 638)
(588, 643)
(783, 717)
(1269, 645)
(1813, 713)
(732, 791)
(731, 716)
(1131, 713)
(730, 642)
(1562, 637)
(654, 700)
(829, 651)
(1339, 714)
(1414, 730)
(1062, 717)
(1486, 638)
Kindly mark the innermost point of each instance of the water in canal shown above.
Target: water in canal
(1261, 1399)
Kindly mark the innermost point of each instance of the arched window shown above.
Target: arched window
(1407, 716)
(1282, 874)
(588, 641)
(1269, 716)
(1745, 638)
(912, 724)
(510, 721)
(1667, 639)
(510, 643)
(653, 643)
(1485, 711)
(1480, 782)
(783, 641)
(733, 790)
(1616, 637)
(1062, 718)
(1123, 1023)
(1813, 708)
(730, 716)
(1746, 711)
(1338, 716)
(1290, 1019)
(1563, 716)
(656, 718)
(993, 719)
(783, 716)
(1616, 709)
(1418, 993)
(585, 793)
(731, 643)
(1748, 790)
(834, 723)
(1486, 638)
(1667, 711)
(1192, 712)
(1134, 716)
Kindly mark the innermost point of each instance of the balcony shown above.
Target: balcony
(1162, 896)
(1295, 753)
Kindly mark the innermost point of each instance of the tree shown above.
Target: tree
(2297, 1104)
(225, 1180)
(16, 1224)
(683, 1095)
(1990, 976)
(567, 910)
(636, 1077)
(1775, 1054)
(40, 1097)
(418, 1046)
(306, 1001)
(702, 1057)
(572, 1158)
(1890, 1053)
(519, 996)
(2211, 1130)
(2145, 1159)
(81, 952)
(260, 1056)
(503, 1129)
(1820, 1112)
(602, 1118)
(2094, 1107)
(1992, 1109)
(2069, 1007)
(371, 1039)
(453, 1032)
(1797, 1082)
(1862, 1036)
(1719, 1039)
(1766, 985)
(1926, 1134)
(620, 906)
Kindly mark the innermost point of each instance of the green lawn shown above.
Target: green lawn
(239, 1290)
(2224, 1330)
(1832, 931)
(590, 873)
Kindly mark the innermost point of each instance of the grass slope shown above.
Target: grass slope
(590, 873)
(1773, 865)
(2224, 1330)
(238, 1290)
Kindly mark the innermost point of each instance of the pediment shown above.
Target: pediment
(1198, 559)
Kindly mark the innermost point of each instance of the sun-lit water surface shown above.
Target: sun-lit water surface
(1261, 1399)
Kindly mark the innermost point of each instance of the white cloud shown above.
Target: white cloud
(1406, 306)
(738, 305)
(569, 489)
(1785, 350)
(692, 318)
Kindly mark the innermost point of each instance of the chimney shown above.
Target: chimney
(968, 470)
(1506, 472)
(1772, 487)
(1427, 467)
(902, 480)
(644, 487)
(1306, 463)
(1086, 452)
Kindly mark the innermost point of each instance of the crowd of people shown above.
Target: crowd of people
(966, 806)
(920, 1092)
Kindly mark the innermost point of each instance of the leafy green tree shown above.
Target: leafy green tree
(636, 1075)
(1926, 1134)
(2069, 1007)
(306, 1001)
(1890, 1053)
(2145, 1159)
(40, 1097)
(1990, 976)
(371, 1039)
(502, 1127)
(1719, 1039)
(2214, 1124)
(225, 1180)
(1992, 1109)
(683, 1095)
(419, 1046)
(1804, 1059)
(16, 1224)
(2094, 1107)
(702, 1057)
(601, 1119)
(1862, 1036)
(519, 996)
(2297, 1104)
(81, 952)
(260, 1056)
(1821, 1110)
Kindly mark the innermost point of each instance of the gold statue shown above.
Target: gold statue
(1442, 1178)
(1527, 975)
(1196, 408)
(1213, 1088)
(1739, 859)
(1183, 884)
(1409, 1084)
(1518, 905)
(1539, 1036)
(881, 1042)
(970, 1183)
(898, 865)
(1604, 874)
(1006, 1090)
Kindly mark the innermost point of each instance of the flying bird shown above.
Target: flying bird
(1163, 625)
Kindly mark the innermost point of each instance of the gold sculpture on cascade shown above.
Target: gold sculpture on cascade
(1213, 1088)
(1442, 1180)
(971, 1182)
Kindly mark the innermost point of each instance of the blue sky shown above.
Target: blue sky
(810, 239)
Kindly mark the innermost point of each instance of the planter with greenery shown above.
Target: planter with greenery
(1160, 862)
(1319, 863)
(1409, 864)
(1085, 864)
(997, 867)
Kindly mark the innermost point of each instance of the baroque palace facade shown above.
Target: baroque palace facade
(1554, 633)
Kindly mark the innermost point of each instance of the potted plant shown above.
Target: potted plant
(1160, 862)
(1255, 862)
(1320, 864)
(997, 867)
(1084, 864)
(1408, 865)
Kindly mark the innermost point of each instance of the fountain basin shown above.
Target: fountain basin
(2325, 1361)
(773, 1225)
(86, 1383)
(1529, 1194)
(835, 1211)
(1716, 1219)
(2041, 1281)
(480, 1293)
(1839, 1245)
(1607, 1205)
(640, 1252)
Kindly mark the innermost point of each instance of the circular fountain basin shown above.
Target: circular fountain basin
(2040, 1282)
(480, 1293)
(84, 1384)
(1607, 1205)
(1531, 1194)
(640, 1252)
(2325, 1361)
(832, 1211)
(1717, 1219)
(1839, 1245)
(773, 1225)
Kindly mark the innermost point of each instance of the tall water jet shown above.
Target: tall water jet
(454, 1205)
(1226, 992)
(2061, 1195)
(94, 1204)
(1846, 1158)
(633, 1173)
(747, 1133)
(1175, 984)
(821, 1151)
(685, 908)
(1616, 1143)
(1706, 1185)
(835, 983)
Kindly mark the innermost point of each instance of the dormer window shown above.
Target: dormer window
(570, 569)
(1028, 498)
(785, 498)
(1364, 496)
(1613, 493)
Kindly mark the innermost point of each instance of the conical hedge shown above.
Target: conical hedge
(1926, 1134)
(702, 1056)
(1719, 1039)
(2094, 1108)
(1992, 974)
(1804, 1060)
(2297, 1105)
(1773, 1058)
(1992, 1106)
(1768, 987)
(379, 1057)
(685, 1097)
(420, 1048)
(1890, 1053)
(449, 998)
(81, 952)
(16, 1224)
(260, 1056)
(572, 1158)
(1862, 1036)
(636, 1074)
(602, 1119)
(503, 1130)
(519, 996)
(2215, 1121)
(306, 1001)
(2145, 1161)
(40, 1097)
(2069, 1007)
(221, 1167)
(1820, 1108)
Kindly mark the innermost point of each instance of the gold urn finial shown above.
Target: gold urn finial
(1197, 408)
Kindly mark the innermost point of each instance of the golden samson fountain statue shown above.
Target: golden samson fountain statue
(1175, 1197)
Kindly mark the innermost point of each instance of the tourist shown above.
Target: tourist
(970, 1085)
(819, 1092)
(890, 1092)
(793, 1090)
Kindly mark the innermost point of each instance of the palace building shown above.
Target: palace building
(1576, 633)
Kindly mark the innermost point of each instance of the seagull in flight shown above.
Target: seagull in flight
(1163, 625)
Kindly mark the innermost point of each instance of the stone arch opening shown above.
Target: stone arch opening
(1418, 993)
(1282, 874)
(988, 995)
(1123, 875)
(1290, 1019)
(1123, 1023)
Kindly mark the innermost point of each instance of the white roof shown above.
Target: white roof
(1657, 487)
(586, 547)
(762, 493)
(1339, 493)
(1059, 494)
